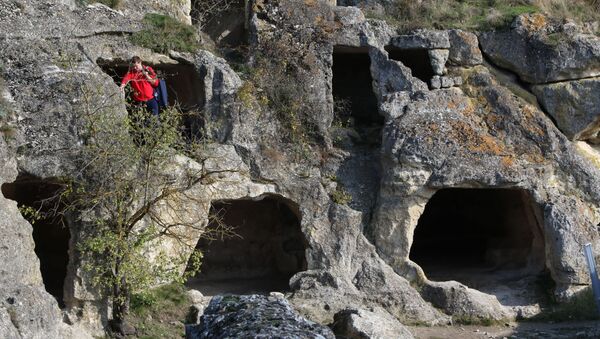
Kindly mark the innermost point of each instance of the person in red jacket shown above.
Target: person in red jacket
(143, 81)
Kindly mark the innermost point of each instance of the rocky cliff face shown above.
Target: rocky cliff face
(442, 170)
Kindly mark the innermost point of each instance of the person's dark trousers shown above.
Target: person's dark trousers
(152, 106)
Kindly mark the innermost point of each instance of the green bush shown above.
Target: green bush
(164, 33)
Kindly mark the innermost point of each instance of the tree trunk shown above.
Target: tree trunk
(120, 308)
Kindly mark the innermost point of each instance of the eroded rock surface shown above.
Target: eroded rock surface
(573, 106)
(541, 51)
(466, 130)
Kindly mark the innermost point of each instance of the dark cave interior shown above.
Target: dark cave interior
(478, 230)
(416, 59)
(50, 234)
(268, 248)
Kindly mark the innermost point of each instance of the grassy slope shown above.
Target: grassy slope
(480, 14)
(160, 313)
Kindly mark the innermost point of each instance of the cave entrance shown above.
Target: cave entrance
(50, 233)
(477, 236)
(355, 103)
(223, 20)
(267, 251)
(417, 60)
(185, 89)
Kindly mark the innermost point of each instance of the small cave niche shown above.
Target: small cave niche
(224, 22)
(355, 103)
(465, 234)
(50, 233)
(416, 59)
(267, 250)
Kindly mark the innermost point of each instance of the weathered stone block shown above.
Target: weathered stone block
(422, 39)
(464, 48)
(435, 82)
(575, 106)
(438, 58)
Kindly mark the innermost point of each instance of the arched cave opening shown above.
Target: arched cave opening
(50, 233)
(417, 60)
(465, 234)
(268, 249)
(224, 21)
(185, 89)
(355, 103)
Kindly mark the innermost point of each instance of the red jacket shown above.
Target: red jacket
(143, 90)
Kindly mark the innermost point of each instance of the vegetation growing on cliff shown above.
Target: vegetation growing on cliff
(479, 14)
(161, 312)
(129, 193)
(467, 14)
(163, 33)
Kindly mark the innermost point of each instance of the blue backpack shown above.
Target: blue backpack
(160, 94)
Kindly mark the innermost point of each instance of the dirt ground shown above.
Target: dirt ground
(525, 330)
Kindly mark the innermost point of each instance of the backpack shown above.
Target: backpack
(160, 94)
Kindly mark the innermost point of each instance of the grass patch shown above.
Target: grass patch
(577, 10)
(161, 312)
(341, 197)
(164, 33)
(580, 307)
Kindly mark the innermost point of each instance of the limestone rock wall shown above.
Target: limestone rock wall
(462, 128)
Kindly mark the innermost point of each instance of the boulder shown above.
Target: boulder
(438, 58)
(464, 48)
(425, 39)
(254, 316)
(463, 303)
(367, 324)
(574, 105)
(541, 51)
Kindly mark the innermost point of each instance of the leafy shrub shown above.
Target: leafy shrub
(164, 33)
